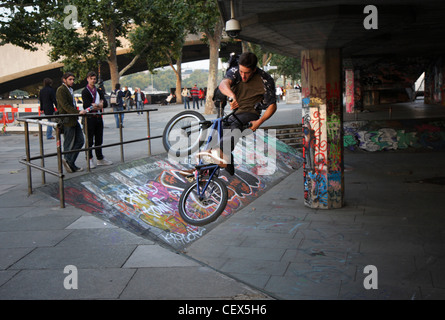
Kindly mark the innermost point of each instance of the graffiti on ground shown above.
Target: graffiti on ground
(142, 196)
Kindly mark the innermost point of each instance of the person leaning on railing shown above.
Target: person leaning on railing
(73, 138)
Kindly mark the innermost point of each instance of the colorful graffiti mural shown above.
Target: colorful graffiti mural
(142, 196)
(394, 135)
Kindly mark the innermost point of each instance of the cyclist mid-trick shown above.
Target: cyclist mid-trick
(250, 90)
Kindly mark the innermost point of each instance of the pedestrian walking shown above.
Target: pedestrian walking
(117, 102)
(48, 102)
(185, 93)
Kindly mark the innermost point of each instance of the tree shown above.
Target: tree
(99, 28)
(208, 20)
(177, 16)
(24, 24)
(105, 24)
(289, 67)
(264, 57)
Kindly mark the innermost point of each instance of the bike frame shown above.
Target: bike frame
(214, 168)
(216, 126)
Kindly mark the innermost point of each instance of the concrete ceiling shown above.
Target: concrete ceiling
(405, 28)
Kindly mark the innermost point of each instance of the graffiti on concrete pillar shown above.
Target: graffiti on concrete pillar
(322, 142)
(315, 155)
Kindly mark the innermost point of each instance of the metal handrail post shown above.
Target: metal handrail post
(121, 135)
(42, 153)
(148, 133)
(60, 167)
(27, 150)
(87, 144)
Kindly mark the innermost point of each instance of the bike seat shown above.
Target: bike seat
(205, 165)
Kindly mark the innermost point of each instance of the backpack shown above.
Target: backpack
(113, 97)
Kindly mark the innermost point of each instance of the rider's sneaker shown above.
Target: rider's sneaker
(188, 174)
(212, 157)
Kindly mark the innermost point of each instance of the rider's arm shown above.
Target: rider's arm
(225, 88)
(267, 114)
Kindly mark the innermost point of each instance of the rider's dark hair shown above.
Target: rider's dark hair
(248, 60)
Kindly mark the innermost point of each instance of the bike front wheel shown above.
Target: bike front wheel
(201, 210)
(183, 134)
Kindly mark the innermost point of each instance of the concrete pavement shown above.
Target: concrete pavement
(275, 248)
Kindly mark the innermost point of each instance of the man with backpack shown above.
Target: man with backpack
(250, 90)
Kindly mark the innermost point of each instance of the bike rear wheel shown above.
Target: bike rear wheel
(183, 134)
(199, 212)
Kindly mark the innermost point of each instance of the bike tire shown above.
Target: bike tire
(201, 212)
(183, 142)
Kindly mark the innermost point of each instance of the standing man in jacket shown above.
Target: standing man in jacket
(72, 132)
(47, 98)
(94, 102)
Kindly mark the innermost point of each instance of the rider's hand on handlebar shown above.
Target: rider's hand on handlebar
(233, 104)
(255, 124)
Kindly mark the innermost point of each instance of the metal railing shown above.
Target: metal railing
(49, 121)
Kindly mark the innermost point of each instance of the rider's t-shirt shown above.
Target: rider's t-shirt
(259, 88)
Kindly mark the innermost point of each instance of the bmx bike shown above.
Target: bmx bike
(205, 198)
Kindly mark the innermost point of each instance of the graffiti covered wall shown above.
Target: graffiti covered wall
(394, 135)
(142, 196)
(384, 80)
(434, 83)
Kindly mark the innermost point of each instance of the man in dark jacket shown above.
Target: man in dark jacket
(72, 132)
(93, 98)
(47, 98)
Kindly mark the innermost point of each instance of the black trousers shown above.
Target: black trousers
(95, 135)
(232, 130)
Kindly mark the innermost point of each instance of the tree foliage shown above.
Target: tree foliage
(208, 20)
(152, 27)
(288, 67)
(24, 24)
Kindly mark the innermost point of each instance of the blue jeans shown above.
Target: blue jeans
(195, 100)
(49, 132)
(116, 116)
(73, 139)
(186, 102)
(139, 106)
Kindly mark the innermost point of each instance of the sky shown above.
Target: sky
(200, 64)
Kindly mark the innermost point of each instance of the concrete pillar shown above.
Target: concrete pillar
(349, 90)
(323, 128)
